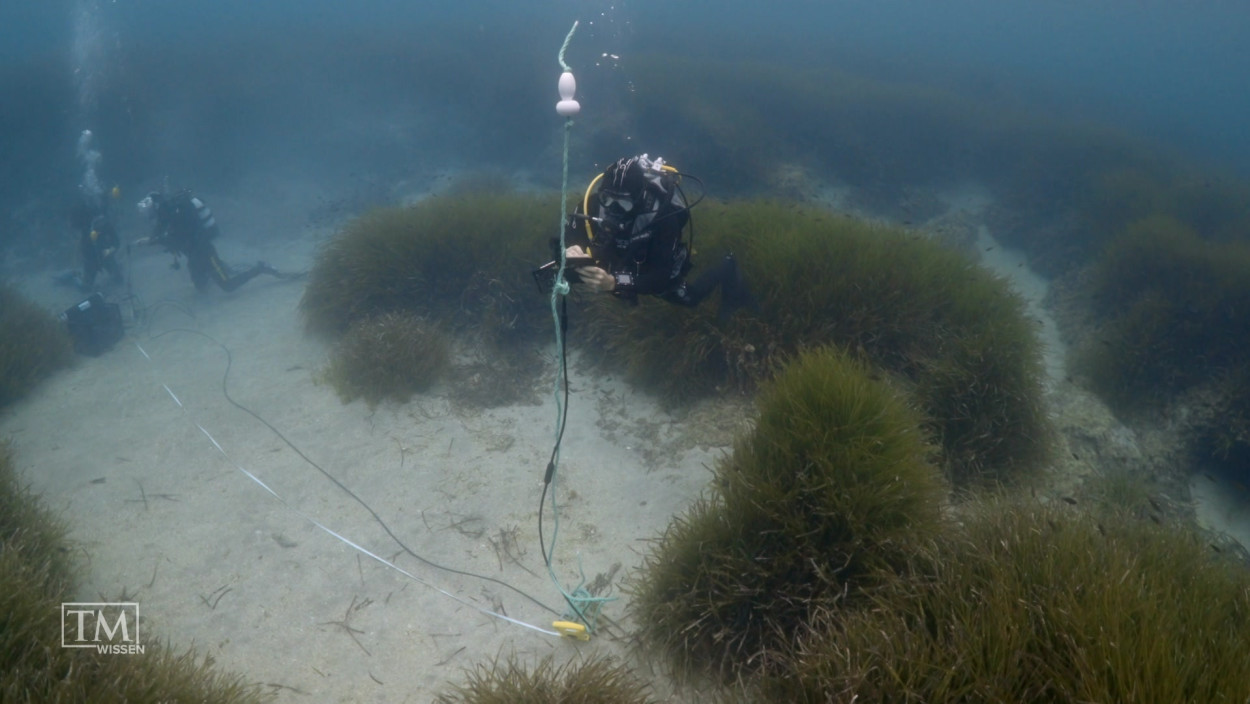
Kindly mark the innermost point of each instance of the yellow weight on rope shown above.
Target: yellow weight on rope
(571, 629)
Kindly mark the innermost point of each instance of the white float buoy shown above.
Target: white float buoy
(567, 107)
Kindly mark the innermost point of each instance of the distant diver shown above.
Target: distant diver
(92, 219)
(185, 226)
(99, 245)
(626, 238)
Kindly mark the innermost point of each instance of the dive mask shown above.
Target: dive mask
(619, 203)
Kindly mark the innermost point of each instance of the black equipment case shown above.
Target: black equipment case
(94, 324)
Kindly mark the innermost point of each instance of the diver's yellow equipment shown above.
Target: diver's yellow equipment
(586, 205)
(571, 630)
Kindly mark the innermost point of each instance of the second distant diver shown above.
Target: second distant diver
(92, 220)
(98, 243)
(185, 227)
(630, 224)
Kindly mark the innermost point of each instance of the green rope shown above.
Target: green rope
(560, 58)
(584, 605)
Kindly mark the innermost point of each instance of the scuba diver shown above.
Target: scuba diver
(626, 239)
(99, 245)
(185, 226)
(98, 242)
(91, 218)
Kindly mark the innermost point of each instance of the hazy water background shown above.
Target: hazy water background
(379, 90)
(236, 97)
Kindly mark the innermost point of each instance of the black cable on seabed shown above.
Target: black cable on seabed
(226, 393)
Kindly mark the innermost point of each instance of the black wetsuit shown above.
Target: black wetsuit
(646, 254)
(185, 226)
(99, 251)
(97, 242)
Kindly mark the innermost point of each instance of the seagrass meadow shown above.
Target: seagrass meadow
(956, 333)
(461, 260)
(401, 290)
(1166, 338)
(387, 356)
(854, 543)
(594, 680)
(1037, 603)
(33, 345)
(822, 499)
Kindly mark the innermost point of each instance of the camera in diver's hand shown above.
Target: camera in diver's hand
(545, 275)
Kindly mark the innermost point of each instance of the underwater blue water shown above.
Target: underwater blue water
(146, 74)
(348, 91)
(1178, 70)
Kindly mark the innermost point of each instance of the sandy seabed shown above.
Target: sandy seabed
(126, 446)
(121, 445)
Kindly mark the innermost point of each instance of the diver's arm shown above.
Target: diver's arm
(156, 238)
(597, 279)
